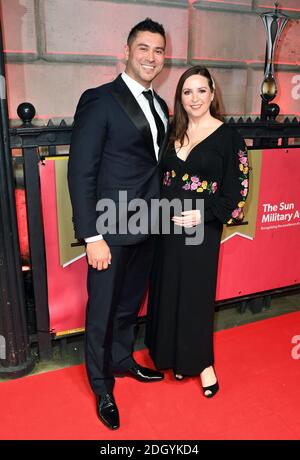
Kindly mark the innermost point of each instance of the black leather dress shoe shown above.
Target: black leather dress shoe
(144, 374)
(108, 411)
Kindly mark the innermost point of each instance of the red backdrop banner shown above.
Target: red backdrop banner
(67, 294)
(270, 260)
(265, 262)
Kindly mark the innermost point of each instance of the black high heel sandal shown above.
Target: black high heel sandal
(212, 388)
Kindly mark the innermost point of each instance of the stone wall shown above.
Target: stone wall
(55, 49)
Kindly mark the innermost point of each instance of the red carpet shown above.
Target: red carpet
(259, 396)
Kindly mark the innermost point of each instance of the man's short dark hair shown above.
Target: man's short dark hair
(146, 26)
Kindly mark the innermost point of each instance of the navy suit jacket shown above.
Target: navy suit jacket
(111, 150)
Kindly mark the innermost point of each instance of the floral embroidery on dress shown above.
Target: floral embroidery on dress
(168, 176)
(193, 183)
(244, 168)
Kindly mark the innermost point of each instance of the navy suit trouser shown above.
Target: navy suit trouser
(114, 300)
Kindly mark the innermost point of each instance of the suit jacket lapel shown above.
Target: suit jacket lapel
(128, 102)
(164, 145)
(163, 105)
(164, 108)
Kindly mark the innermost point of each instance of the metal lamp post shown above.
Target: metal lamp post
(274, 23)
(15, 357)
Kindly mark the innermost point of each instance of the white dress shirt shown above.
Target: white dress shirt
(137, 91)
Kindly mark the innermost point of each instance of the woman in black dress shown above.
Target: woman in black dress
(205, 159)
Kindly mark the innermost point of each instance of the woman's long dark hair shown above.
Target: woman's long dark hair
(180, 119)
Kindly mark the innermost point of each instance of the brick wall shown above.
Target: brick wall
(55, 49)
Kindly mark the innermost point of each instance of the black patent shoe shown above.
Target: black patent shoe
(213, 389)
(108, 411)
(144, 374)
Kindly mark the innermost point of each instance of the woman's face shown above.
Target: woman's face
(196, 96)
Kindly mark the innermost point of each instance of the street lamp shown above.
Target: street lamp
(274, 23)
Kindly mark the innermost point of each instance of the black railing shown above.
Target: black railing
(31, 139)
(37, 142)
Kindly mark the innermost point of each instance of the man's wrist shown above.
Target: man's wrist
(93, 239)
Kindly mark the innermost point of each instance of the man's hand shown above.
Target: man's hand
(98, 254)
(188, 218)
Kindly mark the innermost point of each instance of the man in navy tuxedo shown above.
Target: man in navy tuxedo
(116, 145)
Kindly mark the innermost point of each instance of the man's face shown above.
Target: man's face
(145, 57)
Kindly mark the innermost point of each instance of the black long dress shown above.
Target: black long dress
(179, 329)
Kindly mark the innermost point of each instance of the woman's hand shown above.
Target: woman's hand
(188, 218)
